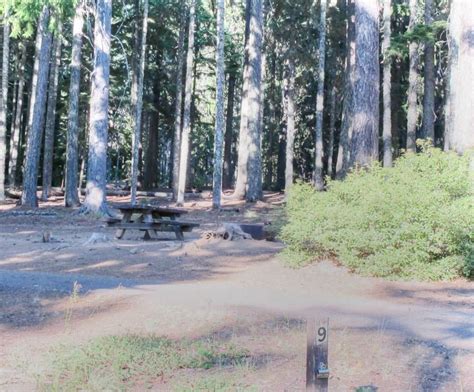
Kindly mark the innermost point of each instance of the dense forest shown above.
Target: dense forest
(225, 94)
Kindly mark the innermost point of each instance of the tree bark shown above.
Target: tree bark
(332, 131)
(220, 118)
(151, 167)
(290, 121)
(228, 167)
(51, 114)
(243, 152)
(254, 117)
(413, 81)
(99, 104)
(387, 85)
(72, 150)
(365, 115)
(4, 102)
(428, 130)
(136, 142)
(37, 109)
(459, 126)
(178, 103)
(184, 150)
(344, 149)
(17, 122)
(318, 164)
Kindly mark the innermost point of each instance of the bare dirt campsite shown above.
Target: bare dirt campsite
(236, 195)
(231, 307)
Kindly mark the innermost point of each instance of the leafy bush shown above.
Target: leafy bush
(413, 221)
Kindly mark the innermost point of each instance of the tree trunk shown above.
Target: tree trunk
(16, 129)
(290, 121)
(243, 153)
(413, 80)
(281, 162)
(178, 104)
(344, 149)
(37, 109)
(318, 164)
(254, 166)
(151, 156)
(99, 104)
(184, 150)
(139, 104)
(220, 118)
(387, 85)
(459, 125)
(51, 115)
(428, 130)
(365, 115)
(332, 131)
(4, 102)
(72, 196)
(228, 169)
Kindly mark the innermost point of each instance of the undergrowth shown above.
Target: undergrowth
(118, 363)
(412, 221)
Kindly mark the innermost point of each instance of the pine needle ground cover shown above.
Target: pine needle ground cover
(412, 221)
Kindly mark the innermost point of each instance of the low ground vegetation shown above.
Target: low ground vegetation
(133, 361)
(412, 221)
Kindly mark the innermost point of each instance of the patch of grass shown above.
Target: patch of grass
(412, 221)
(214, 384)
(121, 362)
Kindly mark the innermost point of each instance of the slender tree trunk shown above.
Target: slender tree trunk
(184, 150)
(413, 80)
(387, 85)
(151, 168)
(290, 121)
(72, 196)
(51, 115)
(4, 102)
(281, 163)
(318, 172)
(178, 103)
(99, 104)
(37, 109)
(227, 177)
(332, 131)
(82, 171)
(459, 126)
(254, 166)
(273, 127)
(344, 150)
(139, 104)
(365, 116)
(429, 80)
(220, 118)
(243, 150)
(16, 129)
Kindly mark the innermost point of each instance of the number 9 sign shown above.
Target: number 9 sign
(322, 335)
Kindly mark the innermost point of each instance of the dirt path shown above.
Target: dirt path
(237, 292)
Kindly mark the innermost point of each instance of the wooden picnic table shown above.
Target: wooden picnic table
(150, 219)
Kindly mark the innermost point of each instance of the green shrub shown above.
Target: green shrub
(413, 221)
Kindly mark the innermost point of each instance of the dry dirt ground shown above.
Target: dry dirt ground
(392, 336)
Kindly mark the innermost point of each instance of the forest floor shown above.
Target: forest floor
(391, 336)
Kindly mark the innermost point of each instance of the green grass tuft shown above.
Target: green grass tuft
(118, 363)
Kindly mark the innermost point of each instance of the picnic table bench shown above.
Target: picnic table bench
(150, 219)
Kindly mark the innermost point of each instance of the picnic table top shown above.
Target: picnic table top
(150, 208)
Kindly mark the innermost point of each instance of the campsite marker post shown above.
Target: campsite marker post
(317, 367)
